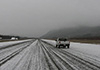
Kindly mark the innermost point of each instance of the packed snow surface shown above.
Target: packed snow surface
(92, 49)
(43, 55)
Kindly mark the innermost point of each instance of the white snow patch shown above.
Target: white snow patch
(92, 49)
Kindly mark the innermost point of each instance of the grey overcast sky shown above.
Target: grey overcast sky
(37, 17)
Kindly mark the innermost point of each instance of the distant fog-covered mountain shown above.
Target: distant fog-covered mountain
(76, 32)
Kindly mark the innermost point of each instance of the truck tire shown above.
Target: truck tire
(56, 46)
(67, 46)
(59, 46)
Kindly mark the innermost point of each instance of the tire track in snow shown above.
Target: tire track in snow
(9, 46)
(82, 63)
(43, 61)
(51, 64)
(7, 58)
(60, 63)
(8, 51)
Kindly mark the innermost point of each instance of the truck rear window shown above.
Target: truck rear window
(62, 39)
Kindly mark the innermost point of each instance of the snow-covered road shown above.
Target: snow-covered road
(42, 55)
